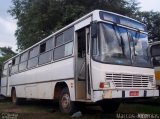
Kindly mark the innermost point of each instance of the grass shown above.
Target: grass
(43, 110)
(139, 108)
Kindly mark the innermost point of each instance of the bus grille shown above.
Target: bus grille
(129, 80)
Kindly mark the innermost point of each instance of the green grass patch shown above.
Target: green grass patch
(42, 111)
(139, 108)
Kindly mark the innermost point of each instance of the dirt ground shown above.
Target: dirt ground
(48, 110)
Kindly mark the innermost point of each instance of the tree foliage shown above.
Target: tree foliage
(152, 20)
(39, 18)
(5, 54)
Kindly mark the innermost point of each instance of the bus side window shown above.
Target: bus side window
(4, 71)
(23, 61)
(33, 57)
(69, 35)
(59, 40)
(81, 44)
(43, 47)
(15, 63)
(46, 51)
(49, 44)
(64, 44)
(59, 52)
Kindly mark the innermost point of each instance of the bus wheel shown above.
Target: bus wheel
(14, 98)
(65, 103)
(110, 107)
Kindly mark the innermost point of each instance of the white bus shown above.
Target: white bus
(100, 58)
(155, 53)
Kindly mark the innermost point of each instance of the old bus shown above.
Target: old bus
(100, 58)
(155, 53)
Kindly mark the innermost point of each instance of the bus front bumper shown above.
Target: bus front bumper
(113, 94)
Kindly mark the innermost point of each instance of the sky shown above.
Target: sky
(7, 26)
(8, 23)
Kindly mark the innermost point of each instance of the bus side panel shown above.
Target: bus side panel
(3, 90)
(36, 91)
(37, 82)
(71, 87)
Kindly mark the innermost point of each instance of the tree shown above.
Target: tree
(152, 20)
(39, 18)
(6, 53)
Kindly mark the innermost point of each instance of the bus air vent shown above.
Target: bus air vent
(129, 80)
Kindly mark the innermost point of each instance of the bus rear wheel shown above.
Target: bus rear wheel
(65, 103)
(15, 100)
(13, 96)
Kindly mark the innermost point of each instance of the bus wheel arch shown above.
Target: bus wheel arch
(58, 89)
(13, 95)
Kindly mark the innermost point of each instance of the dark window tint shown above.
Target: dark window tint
(156, 61)
(42, 47)
(15, 61)
(24, 57)
(59, 40)
(59, 52)
(34, 52)
(68, 35)
(45, 57)
(32, 62)
(155, 50)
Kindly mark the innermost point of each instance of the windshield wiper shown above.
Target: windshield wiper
(137, 36)
(120, 39)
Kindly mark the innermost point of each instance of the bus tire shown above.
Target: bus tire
(110, 107)
(65, 103)
(14, 97)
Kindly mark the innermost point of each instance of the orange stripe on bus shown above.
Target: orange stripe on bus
(157, 74)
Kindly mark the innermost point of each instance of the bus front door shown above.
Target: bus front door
(82, 65)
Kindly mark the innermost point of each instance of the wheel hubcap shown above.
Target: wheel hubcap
(65, 101)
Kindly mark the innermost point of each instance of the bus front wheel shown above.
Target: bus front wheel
(65, 103)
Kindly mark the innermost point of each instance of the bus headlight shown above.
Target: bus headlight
(152, 84)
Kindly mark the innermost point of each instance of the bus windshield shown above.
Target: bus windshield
(118, 45)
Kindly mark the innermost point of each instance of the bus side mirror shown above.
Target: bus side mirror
(94, 29)
(155, 50)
